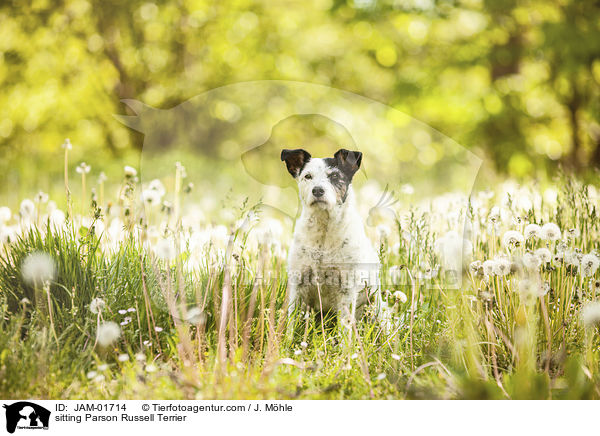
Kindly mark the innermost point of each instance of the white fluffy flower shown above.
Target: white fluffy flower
(454, 251)
(544, 255)
(475, 266)
(532, 231)
(489, 267)
(502, 267)
(129, 171)
(512, 238)
(38, 269)
(400, 296)
(589, 265)
(590, 315)
(165, 249)
(550, 232)
(529, 287)
(5, 215)
(83, 168)
(156, 185)
(27, 208)
(151, 197)
(108, 332)
(571, 258)
(57, 218)
(531, 261)
(97, 305)
(67, 144)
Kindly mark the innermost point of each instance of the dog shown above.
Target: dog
(332, 265)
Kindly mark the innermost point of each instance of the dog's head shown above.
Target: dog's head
(322, 182)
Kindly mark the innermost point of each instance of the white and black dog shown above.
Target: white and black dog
(331, 264)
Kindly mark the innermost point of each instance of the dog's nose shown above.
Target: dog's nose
(318, 191)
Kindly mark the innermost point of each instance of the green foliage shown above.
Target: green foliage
(517, 82)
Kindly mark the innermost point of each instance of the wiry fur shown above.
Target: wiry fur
(331, 264)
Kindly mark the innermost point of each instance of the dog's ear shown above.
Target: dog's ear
(295, 160)
(348, 161)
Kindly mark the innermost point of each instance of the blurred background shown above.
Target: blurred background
(515, 82)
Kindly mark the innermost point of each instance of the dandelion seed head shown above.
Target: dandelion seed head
(67, 144)
(531, 261)
(476, 267)
(489, 267)
(151, 197)
(512, 238)
(83, 168)
(544, 255)
(165, 249)
(381, 376)
(151, 368)
(303, 344)
(57, 218)
(129, 171)
(158, 329)
(297, 352)
(108, 332)
(395, 357)
(91, 374)
(102, 367)
(41, 197)
(27, 208)
(38, 269)
(551, 232)
(502, 267)
(532, 231)
(97, 305)
(156, 185)
(5, 214)
(570, 258)
(589, 265)
(590, 314)
(123, 357)
(400, 296)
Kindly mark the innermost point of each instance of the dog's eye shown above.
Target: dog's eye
(308, 176)
(334, 177)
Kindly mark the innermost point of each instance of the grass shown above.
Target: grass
(202, 310)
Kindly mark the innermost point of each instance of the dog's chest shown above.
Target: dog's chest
(326, 270)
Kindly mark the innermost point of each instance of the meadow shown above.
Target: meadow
(127, 292)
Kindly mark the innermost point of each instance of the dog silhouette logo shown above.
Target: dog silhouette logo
(26, 415)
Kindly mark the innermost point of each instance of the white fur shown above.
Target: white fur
(330, 245)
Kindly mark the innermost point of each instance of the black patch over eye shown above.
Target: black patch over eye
(308, 176)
